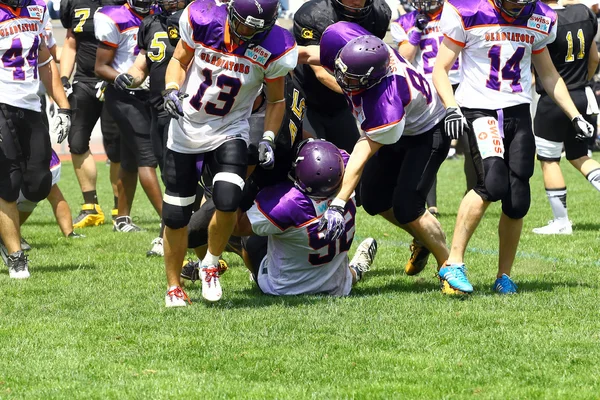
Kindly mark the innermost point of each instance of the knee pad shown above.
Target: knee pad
(408, 208)
(517, 204)
(36, 184)
(177, 211)
(25, 205)
(198, 226)
(227, 191)
(10, 182)
(496, 182)
(229, 164)
(112, 149)
(78, 144)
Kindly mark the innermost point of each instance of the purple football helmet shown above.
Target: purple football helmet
(319, 168)
(362, 63)
(140, 6)
(251, 20)
(523, 9)
(427, 5)
(350, 13)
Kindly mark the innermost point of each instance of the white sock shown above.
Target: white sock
(209, 260)
(594, 178)
(558, 203)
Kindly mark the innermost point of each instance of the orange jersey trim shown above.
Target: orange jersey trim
(109, 44)
(456, 42)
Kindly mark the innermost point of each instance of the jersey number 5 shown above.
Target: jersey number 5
(158, 47)
(227, 97)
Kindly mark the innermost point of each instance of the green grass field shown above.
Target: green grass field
(91, 321)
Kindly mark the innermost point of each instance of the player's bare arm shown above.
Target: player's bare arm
(177, 68)
(447, 54)
(104, 58)
(49, 76)
(275, 93)
(364, 149)
(553, 83)
(309, 55)
(67, 56)
(326, 78)
(139, 69)
(408, 50)
(593, 61)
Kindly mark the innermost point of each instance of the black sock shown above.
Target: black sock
(116, 202)
(90, 197)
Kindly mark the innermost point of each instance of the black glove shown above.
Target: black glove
(123, 81)
(455, 123)
(421, 21)
(66, 85)
(583, 129)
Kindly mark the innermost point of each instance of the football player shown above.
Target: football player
(77, 17)
(286, 254)
(218, 67)
(25, 149)
(327, 109)
(498, 41)
(402, 119)
(116, 28)
(575, 56)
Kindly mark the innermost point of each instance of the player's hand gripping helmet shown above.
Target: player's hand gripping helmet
(251, 20)
(140, 6)
(351, 12)
(427, 5)
(319, 168)
(362, 63)
(518, 9)
(16, 3)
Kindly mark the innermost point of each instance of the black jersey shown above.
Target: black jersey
(310, 21)
(158, 40)
(78, 15)
(576, 28)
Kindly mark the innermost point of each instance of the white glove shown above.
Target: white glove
(100, 86)
(61, 124)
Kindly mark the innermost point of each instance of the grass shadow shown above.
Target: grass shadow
(64, 268)
(586, 227)
(541, 286)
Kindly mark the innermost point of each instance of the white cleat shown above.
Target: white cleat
(18, 265)
(211, 287)
(176, 297)
(157, 249)
(555, 227)
(364, 257)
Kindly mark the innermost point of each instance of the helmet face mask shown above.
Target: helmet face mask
(517, 9)
(170, 6)
(427, 5)
(140, 6)
(251, 20)
(318, 168)
(362, 63)
(355, 14)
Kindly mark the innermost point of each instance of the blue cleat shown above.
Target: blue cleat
(505, 285)
(453, 279)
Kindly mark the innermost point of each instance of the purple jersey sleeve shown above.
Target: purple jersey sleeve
(335, 37)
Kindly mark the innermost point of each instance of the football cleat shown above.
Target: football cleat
(90, 215)
(211, 287)
(555, 227)
(114, 213)
(18, 266)
(75, 235)
(191, 269)
(418, 258)
(364, 257)
(176, 297)
(453, 279)
(157, 249)
(25, 246)
(504, 285)
(125, 224)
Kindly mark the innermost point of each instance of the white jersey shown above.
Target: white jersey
(427, 47)
(496, 55)
(20, 37)
(223, 80)
(299, 260)
(117, 27)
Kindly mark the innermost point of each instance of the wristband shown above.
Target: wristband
(338, 203)
(269, 135)
(172, 85)
(45, 62)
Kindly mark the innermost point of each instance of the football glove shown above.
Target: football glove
(266, 151)
(100, 86)
(455, 123)
(62, 124)
(421, 21)
(333, 220)
(123, 81)
(66, 85)
(172, 102)
(583, 129)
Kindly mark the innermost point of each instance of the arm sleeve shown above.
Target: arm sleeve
(387, 134)
(106, 30)
(65, 14)
(261, 224)
(305, 32)
(539, 46)
(185, 29)
(452, 25)
(398, 33)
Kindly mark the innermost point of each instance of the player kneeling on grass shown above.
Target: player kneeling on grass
(289, 255)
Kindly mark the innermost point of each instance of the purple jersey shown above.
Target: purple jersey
(299, 260)
(496, 55)
(402, 103)
(403, 30)
(20, 35)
